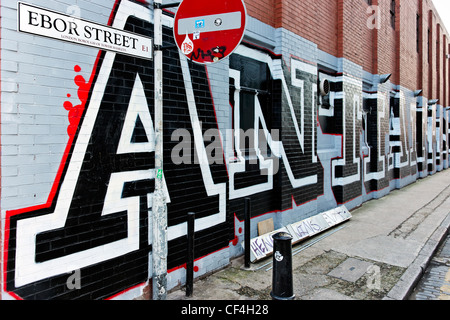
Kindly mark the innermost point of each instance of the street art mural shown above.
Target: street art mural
(95, 227)
(96, 220)
(376, 127)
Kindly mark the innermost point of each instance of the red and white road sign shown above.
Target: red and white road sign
(208, 31)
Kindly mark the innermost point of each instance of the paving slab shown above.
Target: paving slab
(351, 269)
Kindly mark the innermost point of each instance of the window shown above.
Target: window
(418, 33)
(437, 57)
(393, 14)
(429, 45)
(253, 99)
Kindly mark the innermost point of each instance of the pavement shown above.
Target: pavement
(381, 253)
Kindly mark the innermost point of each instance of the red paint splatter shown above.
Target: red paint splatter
(75, 112)
(235, 241)
(184, 266)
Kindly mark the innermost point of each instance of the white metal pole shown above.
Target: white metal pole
(159, 208)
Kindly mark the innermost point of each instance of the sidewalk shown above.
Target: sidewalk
(380, 253)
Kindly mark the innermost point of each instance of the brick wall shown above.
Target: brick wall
(357, 42)
(264, 11)
(408, 54)
(340, 28)
(317, 23)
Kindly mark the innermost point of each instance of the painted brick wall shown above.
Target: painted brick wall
(83, 119)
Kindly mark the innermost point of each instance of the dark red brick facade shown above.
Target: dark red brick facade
(340, 28)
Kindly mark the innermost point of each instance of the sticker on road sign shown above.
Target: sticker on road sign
(187, 45)
(199, 24)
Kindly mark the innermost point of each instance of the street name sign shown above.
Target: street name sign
(51, 24)
(207, 32)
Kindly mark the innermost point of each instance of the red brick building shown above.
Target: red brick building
(408, 40)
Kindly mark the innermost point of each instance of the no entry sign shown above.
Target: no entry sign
(208, 31)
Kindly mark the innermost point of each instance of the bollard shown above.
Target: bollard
(190, 254)
(247, 221)
(282, 286)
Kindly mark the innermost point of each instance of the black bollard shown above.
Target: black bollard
(190, 254)
(247, 221)
(282, 285)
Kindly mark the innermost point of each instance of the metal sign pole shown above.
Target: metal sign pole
(159, 208)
